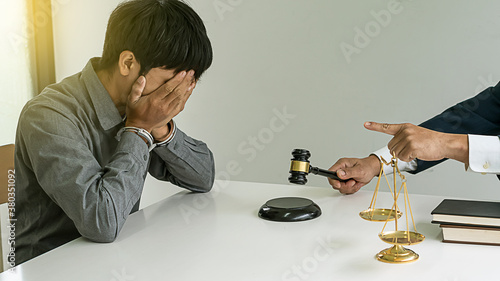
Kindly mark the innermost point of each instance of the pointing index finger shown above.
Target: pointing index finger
(390, 129)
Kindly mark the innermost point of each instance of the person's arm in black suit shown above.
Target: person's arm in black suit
(477, 115)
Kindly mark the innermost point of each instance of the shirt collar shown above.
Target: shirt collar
(106, 111)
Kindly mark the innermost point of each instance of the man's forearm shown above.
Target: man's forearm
(185, 162)
(97, 199)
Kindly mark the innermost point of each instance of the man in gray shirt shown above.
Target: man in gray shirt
(85, 145)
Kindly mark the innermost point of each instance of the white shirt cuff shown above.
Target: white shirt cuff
(403, 166)
(484, 154)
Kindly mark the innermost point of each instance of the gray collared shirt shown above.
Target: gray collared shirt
(74, 178)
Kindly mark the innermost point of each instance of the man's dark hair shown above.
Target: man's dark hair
(160, 33)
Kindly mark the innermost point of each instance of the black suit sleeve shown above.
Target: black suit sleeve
(479, 115)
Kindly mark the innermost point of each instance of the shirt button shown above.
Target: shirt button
(145, 157)
(486, 165)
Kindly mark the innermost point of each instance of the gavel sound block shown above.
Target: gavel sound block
(290, 209)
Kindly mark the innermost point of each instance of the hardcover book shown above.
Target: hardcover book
(471, 234)
(481, 213)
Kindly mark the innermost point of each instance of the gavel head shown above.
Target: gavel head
(299, 167)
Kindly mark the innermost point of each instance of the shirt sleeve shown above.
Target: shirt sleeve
(484, 154)
(98, 199)
(185, 162)
(403, 166)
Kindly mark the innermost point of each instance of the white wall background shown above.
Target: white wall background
(410, 61)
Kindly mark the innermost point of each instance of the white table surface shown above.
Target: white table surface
(218, 236)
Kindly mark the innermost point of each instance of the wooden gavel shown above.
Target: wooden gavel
(301, 167)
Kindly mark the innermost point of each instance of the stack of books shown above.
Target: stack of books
(466, 221)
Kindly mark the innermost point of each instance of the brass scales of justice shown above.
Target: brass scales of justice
(398, 238)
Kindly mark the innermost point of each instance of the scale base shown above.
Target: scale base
(397, 254)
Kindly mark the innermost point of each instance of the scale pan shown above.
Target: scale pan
(401, 237)
(379, 215)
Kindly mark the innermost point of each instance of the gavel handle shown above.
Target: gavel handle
(325, 173)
